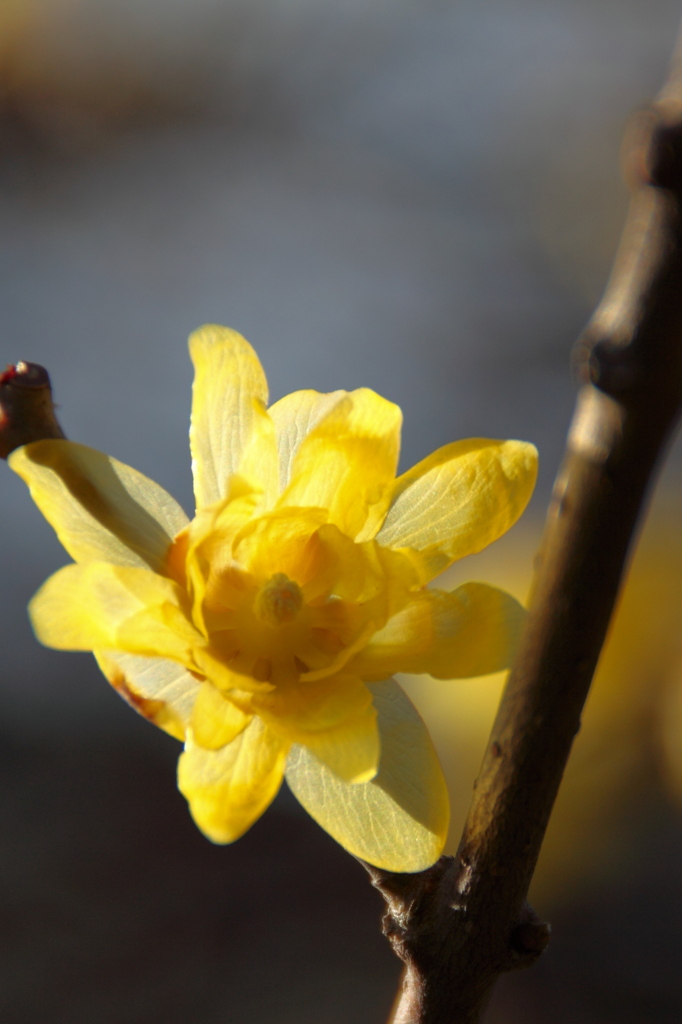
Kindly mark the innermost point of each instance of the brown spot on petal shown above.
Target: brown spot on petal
(149, 709)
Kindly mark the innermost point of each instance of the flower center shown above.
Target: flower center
(278, 601)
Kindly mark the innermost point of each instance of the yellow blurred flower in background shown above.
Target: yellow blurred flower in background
(265, 631)
(626, 761)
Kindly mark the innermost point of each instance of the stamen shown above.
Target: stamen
(278, 601)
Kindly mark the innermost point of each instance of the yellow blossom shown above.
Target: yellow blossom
(264, 633)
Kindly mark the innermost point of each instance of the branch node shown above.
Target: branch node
(662, 164)
(529, 939)
(607, 363)
(611, 367)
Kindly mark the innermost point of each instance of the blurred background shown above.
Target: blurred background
(420, 196)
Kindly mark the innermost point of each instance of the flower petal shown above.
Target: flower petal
(162, 691)
(315, 707)
(341, 659)
(348, 461)
(351, 750)
(209, 539)
(109, 607)
(458, 500)
(228, 789)
(101, 509)
(216, 721)
(230, 427)
(294, 417)
(471, 631)
(335, 719)
(280, 538)
(212, 662)
(399, 820)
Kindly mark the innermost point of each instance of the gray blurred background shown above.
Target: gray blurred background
(420, 196)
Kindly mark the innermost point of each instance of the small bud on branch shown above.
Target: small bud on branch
(26, 408)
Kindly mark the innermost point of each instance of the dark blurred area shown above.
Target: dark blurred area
(420, 196)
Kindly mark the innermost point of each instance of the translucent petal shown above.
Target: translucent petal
(351, 750)
(162, 691)
(229, 424)
(215, 720)
(342, 658)
(399, 820)
(228, 789)
(294, 417)
(315, 707)
(208, 549)
(212, 663)
(353, 572)
(458, 500)
(101, 509)
(101, 606)
(336, 719)
(472, 631)
(279, 542)
(348, 461)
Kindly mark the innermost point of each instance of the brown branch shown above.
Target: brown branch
(460, 924)
(26, 409)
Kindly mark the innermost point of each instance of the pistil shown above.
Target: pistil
(278, 601)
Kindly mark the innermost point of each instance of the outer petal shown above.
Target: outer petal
(97, 605)
(294, 417)
(351, 751)
(471, 631)
(399, 820)
(230, 427)
(459, 500)
(162, 691)
(228, 789)
(348, 461)
(101, 509)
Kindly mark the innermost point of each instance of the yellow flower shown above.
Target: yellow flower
(265, 631)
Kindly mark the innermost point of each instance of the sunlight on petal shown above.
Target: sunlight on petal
(100, 509)
(351, 751)
(459, 500)
(399, 820)
(97, 605)
(294, 417)
(215, 720)
(348, 461)
(228, 789)
(472, 631)
(161, 691)
(229, 396)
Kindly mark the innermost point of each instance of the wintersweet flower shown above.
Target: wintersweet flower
(265, 632)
